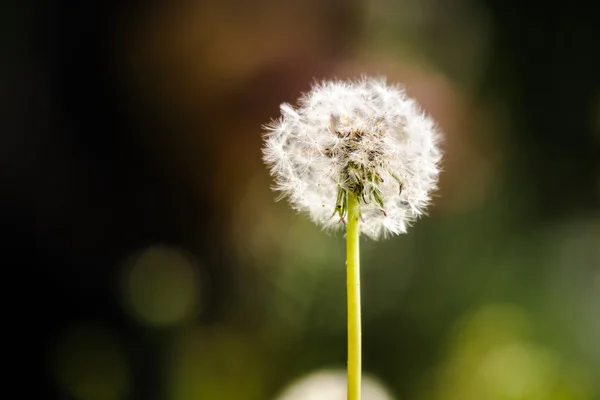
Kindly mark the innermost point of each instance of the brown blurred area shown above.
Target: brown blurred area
(147, 257)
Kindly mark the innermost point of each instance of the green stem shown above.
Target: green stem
(353, 288)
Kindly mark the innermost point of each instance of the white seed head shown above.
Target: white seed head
(363, 137)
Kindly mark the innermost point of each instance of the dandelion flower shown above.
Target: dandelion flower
(357, 152)
(363, 137)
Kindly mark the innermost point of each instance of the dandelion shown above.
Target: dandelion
(359, 155)
(362, 137)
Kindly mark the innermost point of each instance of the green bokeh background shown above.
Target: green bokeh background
(160, 266)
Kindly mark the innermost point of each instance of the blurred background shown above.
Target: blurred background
(146, 257)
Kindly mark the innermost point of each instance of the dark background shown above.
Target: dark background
(136, 126)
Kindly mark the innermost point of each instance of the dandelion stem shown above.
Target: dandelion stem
(353, 289)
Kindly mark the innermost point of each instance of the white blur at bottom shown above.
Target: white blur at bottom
(331, 385)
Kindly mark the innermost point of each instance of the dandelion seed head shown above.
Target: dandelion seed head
(363, 137)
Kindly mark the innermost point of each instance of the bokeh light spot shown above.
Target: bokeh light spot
(331, 385)
(491, 357)
(214, 364)
(520, 370)
(89, 365)
(162, 286)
